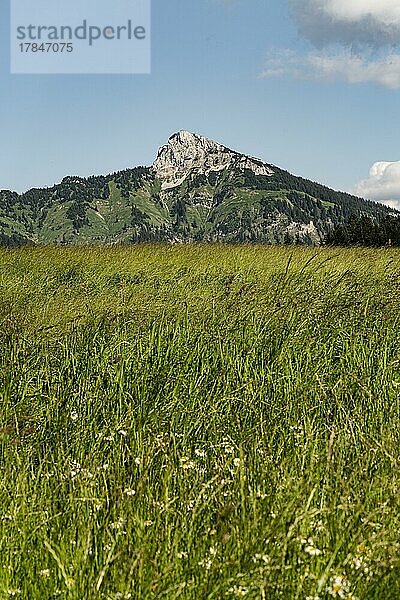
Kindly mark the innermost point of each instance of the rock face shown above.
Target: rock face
(188, 153)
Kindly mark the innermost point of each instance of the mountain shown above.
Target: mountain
(190, 154)
(196, 190)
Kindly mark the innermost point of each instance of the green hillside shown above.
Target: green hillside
(227, 205)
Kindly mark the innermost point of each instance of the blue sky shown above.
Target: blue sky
(252, 74)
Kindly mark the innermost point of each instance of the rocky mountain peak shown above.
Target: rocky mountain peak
(188, 153)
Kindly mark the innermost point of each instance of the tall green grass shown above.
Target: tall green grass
(199, 422)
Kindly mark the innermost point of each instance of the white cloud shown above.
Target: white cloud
(342, 65)
(354, 41)
(383, 11)
(351, 22)
(382, 185)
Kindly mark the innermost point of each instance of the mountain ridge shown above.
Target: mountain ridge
(195, 190)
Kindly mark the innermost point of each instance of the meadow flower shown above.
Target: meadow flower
(310, 547)
(186, 463)
(74, 416)
(228, 447)
(199, 453)
(339, 586)
(122, 432)
(13, 592)
(190, 504)
(312, 550)
(207, 563)
(129, 491)
(162, 439)
(317, 526)
(261, 495)
(118, 524)
(238, 591)
(75, 468)
(262, 558)
(45, 573)
(237, 462)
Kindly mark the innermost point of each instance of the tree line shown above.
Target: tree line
(364, 231)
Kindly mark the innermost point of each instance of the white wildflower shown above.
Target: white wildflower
(191, 504)
(312, 550)
(339, 586)
(317, 526)
(207, 564)
(45, 573)
(238, 591)
(118, 524)
(262, 558)
(186, 463)
(228, 448)
(162, 439)
(75, 468)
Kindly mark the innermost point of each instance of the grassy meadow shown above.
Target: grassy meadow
(199, 422)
